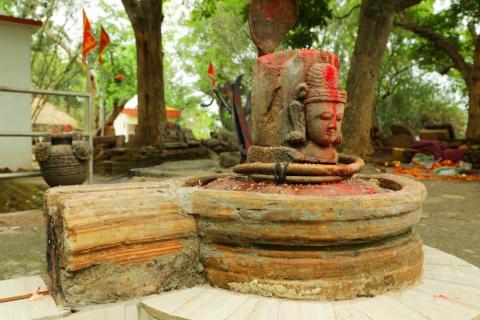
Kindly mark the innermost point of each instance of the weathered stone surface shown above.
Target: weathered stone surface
(311, 247)
(112, 242)
(229, 159)
(275, 81)
(121, 160)
(308, 233)
(343, 272)
(118, 241)
(236, 205)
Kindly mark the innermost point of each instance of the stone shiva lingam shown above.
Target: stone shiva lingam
(296, 221)
(297, 113)
(278, 229)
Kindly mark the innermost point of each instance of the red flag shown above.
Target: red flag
(211, 73)
(88, 40)
(102, 43)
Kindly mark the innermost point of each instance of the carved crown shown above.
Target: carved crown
(323, 84)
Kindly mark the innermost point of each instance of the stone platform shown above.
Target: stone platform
(449, 289)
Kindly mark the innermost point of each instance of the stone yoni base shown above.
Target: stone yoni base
(445, 292)
(115, 242)
(343, 272)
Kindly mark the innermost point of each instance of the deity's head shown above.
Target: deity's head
(324, 105)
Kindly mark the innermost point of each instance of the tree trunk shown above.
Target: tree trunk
(473, 125)
(376, 21)
(91, 85)
(146, 17)
(473, 86)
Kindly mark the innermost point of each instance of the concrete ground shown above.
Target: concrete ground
(451, 220)
(451, 223)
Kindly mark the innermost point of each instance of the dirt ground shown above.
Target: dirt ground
(451, 223)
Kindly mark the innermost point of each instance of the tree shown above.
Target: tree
(56, 64)
(312, 14)
(146, 18)
(452, 41)
(375, 24)
(220, 33)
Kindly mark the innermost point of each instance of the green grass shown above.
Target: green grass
(17, 196)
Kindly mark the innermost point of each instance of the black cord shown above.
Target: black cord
(280, 173)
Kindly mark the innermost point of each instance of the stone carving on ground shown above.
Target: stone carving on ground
(175, 136)
(222, 141)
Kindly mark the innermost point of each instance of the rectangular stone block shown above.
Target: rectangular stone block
(117, 241)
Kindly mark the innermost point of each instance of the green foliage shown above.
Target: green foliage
(457, 24)
(312, 16)
(406, 94)
(51, 67)
(217, 32)
(415, 103)
(119, 58)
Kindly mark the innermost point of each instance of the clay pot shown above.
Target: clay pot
(63, 160)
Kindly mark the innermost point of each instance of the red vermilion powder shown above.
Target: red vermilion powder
(345, 188)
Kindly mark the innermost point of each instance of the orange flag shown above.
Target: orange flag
(88, 40)
(102, 43)
(211, 73)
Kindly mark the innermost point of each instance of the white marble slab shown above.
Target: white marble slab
(449, 289)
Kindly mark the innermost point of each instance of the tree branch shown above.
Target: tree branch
(401, 5)
(471, 29)
(476, 57)
(440, 42)
(444, 70)
(51, 34)
(348, 13)
(131, 7)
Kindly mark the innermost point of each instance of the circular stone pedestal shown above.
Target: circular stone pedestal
(334, 241)
(447, 290)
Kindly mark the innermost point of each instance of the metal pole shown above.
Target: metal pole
(104, 101)
(90, 138)
(41, 91)
(22, 134)
(89, 96)
(20, 174)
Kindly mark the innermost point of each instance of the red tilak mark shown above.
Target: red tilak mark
(268, 56)
(329, 77)
(440, 296)
(274, 59)
(333, 109)
(270, 8)
(335, 62)
(369, 190)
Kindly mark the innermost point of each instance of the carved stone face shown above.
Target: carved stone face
(324, 122)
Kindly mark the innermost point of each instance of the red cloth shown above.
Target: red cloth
(433, 148)
(455, 155)
(430, 147)
(88, 43)
(103, 43)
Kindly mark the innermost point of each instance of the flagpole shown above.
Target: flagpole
(104, 41)
(103, 101)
